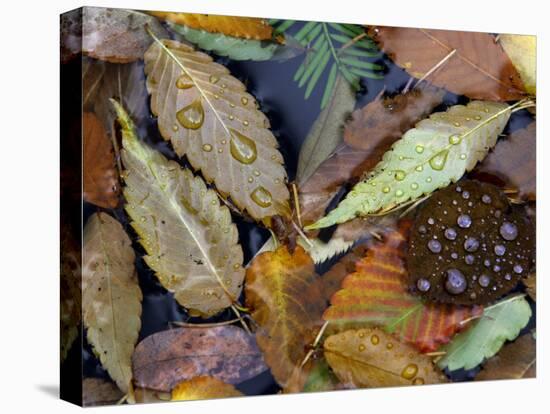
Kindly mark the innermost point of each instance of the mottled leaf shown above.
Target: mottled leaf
(210, 118)
(478, 69)
(190, 239)
(367, 358)
(438, 151)
(111, 297)
(167, 358)
(500, 322)
(203, 388)
(97, 391)
(522, 50)
(377, 295)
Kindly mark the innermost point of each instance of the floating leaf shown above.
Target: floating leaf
(500, 322)
(377, 295)
(245, 27)
(372, 358)
(97, 392)
(479, 68)
(99, 176)
(117, 35)
(286, 301)
(326, 132)
(190, 240)
(515, 360)
(435, 153)
(203, 388)
(522, 50)
(210, 118)
(167, 358)
(111, 298)
(514, 161)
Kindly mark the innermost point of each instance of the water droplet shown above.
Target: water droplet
(518, 269)
(487, 263)
(410, 371)
(419, 168)
(508, 276)
(386, 190)
(361, 334)
(191, 116)
(431, 220)
(374, 339)
(422, 229)
(450, 233)
(184, 82)
(220, 150)
(243, 149)
(456, 282)
(486, 199)
(496, 268)
(458, 189)
(456, 124)
(399, 193)
(246, 123)
(465, 195)
(464, 221)
(207, 147)
(231, 117)
(429, 179)
(414, 186)
(437, 162)
(423, 285)
(462, 156)
(261, 196)
(175, 128)
(469, 259)
(143, 219)
(500, 250)
(256, 173)
(244, 100)
(236, 266)
(455, 139)
(418, 381)
(508, 231)
(477, 117)
(389, 345)
(400, 175)
(434, 246)
(361, 348)
(484, 281)
(213, 79)
(471, 244)
(454, 255)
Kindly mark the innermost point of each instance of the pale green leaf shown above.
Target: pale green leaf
(500, 322)
(435, 153)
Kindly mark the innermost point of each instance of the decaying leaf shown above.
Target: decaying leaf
(371, 358)
(530, 283)
(203, 388)
(210, 118)
(522, 50)
(245, 27)
(97, 391)
(99, 177)
(438, 151)
(377, 295)
(117, 35)
(111, 297)
(286, 301)
(190, 239)
(500, 322)
(479, 67)
(516, 360)
(513, 161)
(167, 358)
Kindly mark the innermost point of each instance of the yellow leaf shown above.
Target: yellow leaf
(522, 50)
(202, 388)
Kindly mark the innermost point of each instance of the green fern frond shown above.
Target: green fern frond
(336, 48)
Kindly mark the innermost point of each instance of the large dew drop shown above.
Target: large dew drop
(262, 197)
(184, 82)
(243, 149)
(437, 162)
(192, 115)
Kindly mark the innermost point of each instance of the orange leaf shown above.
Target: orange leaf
(376, 295)
(202, 388)
(479, 69)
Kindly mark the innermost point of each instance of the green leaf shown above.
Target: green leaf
(222, 45)
(501, 322)
(435, 153)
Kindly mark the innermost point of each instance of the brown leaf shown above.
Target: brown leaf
(97, 391)
(530, 283)
(100, 177)
(479, 69)
(516, 360)
(204, 388)
(367, 358)
(332, 279)
(163, 360)
(513, 161)
(286, 301)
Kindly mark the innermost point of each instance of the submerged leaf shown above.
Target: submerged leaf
(438, 151)
(286, 301)
(367, 358)
(377, 295)
(210, 118)
(167, 358)
(522, 50)
(203, 388)
(500, 322)
(479, 68)
(111, 297)
(97, 392)
(190, 239)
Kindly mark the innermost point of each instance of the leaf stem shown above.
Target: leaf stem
(297, 204)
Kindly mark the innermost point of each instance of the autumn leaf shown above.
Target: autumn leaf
(530, 283)
(203, 388)
(500, 322)
(97, 391)
(111, 297)
(190, 239)
(371, 358)
(438, 151)
(209, 117)
(167, 358)
(470, 63)
(99, 177)
(244, 27)
(117, 35)
(515, 360)
(522, 51)
(513, 161)
(333, 278)
(377, 295)
(286, 301)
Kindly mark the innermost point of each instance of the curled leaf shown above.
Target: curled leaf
(190, 239)
(438, 151)
(203, 388)
(97, 391)
(210, 118)
(111, 297)
(167, 358)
